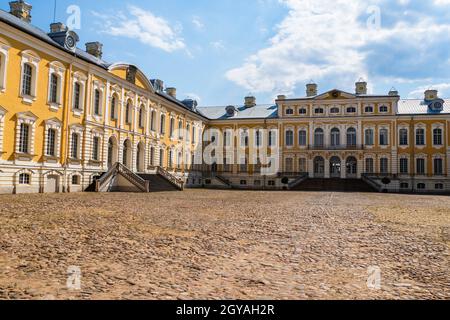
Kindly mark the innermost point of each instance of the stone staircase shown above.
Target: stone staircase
(334, 185)
(158, 183)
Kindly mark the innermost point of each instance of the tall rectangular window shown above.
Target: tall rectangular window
(77, 96)
(24, 138)
(437, 137)
(384, 138)
(27, 79)
(113, 107)
(403, 137)
(163, 124)
(370, 168)
(51, 142)
(404, 166)
(302, 138)
(420, 137)
(97, 102)
(438, 167)
(420, 166)
(384, 166)
(289, 139)
(96, 148)
(369, 137)
(302, 165)
(74, 146)
(289, 165)
(54, 88)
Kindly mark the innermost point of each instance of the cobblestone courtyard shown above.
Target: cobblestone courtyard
(201, 244)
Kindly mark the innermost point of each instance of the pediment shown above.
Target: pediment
(26, 115)
(335, 95)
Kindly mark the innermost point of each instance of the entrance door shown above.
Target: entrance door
(319, 167)
(52, 184)
(335, 167)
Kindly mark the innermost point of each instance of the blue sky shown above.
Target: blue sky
(219, 51)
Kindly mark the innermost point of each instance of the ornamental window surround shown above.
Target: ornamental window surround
(76, 134)
(403, 136)
(25, 132)
(97, 98)
(438, 137)
(4, 49)
(2, 120)
(369, 137)
(78, 93)
(55, 85)
(52, 138)
(29, 75)
(289, 138)
(114, 106)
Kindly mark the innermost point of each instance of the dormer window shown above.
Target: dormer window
(384, 109)
(319, 111)
(289, 112)
(302, 111)
(368, 109)
(334, 110)
(351, 110)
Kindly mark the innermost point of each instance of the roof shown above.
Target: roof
(38, 33)
(267, 111)
(418, 106)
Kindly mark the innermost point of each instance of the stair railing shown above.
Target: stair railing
(224, 180)
(177, 182)
(142, 184)
(366, 178)
(299, 180)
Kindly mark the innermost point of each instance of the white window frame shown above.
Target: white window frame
(2, 125)
(53, 124)
(29, 119)
(81, 80)
(388, 142)
(442, 158)
(97, 85)
(77, 129)
(403, 146)
(424, 128)
(4, 58)
(32, 59)
(57, 69)
(118, 103)
(372, 145)
(96, 134)
(442, 128)
(416, 169)
(402, 158)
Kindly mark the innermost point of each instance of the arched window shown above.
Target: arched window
(437, 137)
(384, 109)
(188, 132)
(172, 127)
(369, 137)
(319, 138)
(335, 137)
(289, 138)
(24, 178)
(258, 138)
(244, 138)
(351, 137)
(27, 80)
(302, 138)
(180, 129)
(152, 120)
(54, 88)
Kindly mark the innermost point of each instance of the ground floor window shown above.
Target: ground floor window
(439, 186)
(271, 183)
(24, 178)
(243, 182)
(404, 185)
(404, 166)
(76, 180)
(384, 168)
(421, 186)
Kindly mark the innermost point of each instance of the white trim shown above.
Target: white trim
(32, 59)
(58, 69)
(4, 58)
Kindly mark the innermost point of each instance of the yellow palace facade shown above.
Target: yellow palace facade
(67, 117)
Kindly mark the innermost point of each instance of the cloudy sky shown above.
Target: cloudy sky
(219, 51)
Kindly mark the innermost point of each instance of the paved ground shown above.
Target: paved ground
(224, 244)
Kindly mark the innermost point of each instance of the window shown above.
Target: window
(404, 166)
(289, 167)
(51, 142)
(421, 186)
(128, 113)
(351, 137)
(24, 138)
(437, 137)
(3, 58)
(227, 138)
(152, 120)
(163, 125)
(243, 182)
(335, 137)
(384, 138)
(420, 137)
(420, 166)
(54, 88)
(289, 111)
(319, 138)
(141, 117)
(369, 137)
(152, 156)
(302, 140)
(302, 165)
(180, 129)
(404, 185)
(438, 166)
(244, 138)
(113, 108)
(76, 180)
(27, 80)
(289, 138)
(334, 110)
(172, 127)
(24, 178)
(384, 109)
(194, 135)
(97, 102)
(439, 186)
(258, 138)
(319, 111)
(271, 183)
(161, 158)
(368, 109)
(272, 138)
(77, 96)
(403, 135)
(74, 146)
(351, 110)
(96, 149)
(370, 167)
(302, 111)
(384, 168)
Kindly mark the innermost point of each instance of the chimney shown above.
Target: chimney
(95, 49)
(58, 27)
(281, 97)
(361, 87)
(250, 101)
(172, 92)
(393, 92)
(21, 10)
(311, 89)
(431, 95)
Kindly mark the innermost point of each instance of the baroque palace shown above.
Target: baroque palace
(71, 122)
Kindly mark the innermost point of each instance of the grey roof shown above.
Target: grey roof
(15, 22)
(418, 106)
(267, 111)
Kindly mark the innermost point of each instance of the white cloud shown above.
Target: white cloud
(443, 88)
(197, 22)
(144, 26)
(218, 45)
(329, 40)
